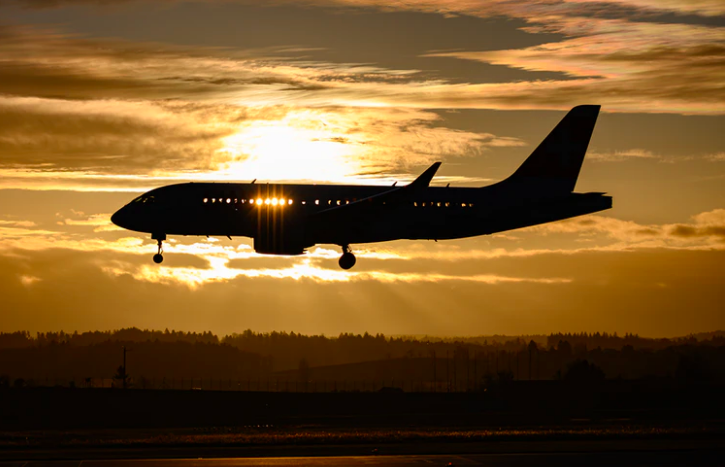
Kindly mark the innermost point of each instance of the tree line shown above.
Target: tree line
(464, 363)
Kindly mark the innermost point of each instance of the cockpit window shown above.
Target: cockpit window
(146, 199)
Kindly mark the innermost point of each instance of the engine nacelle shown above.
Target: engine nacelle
(279, 246)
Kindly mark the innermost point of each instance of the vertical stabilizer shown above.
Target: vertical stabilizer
(555, 164)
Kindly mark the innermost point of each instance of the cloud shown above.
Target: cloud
(715, 157)
(27, 281)
(617, 156)
(99, 222)
(42, 62)
(707, 224)
(120, 144)
(107, 136)
(705, 7)
(305, 270)
(467, 7)
(638, 291)
(112, 114)
(17, 223)
(706, 231)
(545, 278)
(195, 263)
(631, 67)
(643, 154)
(623, 65)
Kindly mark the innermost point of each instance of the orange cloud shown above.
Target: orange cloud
(223, 262)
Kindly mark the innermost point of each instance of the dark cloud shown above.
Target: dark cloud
(61, 3)
(395, 40)
(106, 137)
(633, 12)
(689, 76)
(690, 231)
(664, 12)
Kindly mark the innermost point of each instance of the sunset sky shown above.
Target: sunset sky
(103, 99)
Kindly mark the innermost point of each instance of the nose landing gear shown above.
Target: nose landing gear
(158, 258)
(347, 261)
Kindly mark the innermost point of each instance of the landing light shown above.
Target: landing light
(259, 200)
(274, 201)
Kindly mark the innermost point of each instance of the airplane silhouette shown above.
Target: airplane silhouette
(285, 219)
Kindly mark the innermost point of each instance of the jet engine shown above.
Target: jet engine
(282, 246)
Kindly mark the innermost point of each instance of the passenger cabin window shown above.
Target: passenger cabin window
(439, 204)
(279, 202)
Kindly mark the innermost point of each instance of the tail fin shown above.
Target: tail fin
(555, 164)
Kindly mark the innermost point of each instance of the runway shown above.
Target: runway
(621, 459)
(499, 455)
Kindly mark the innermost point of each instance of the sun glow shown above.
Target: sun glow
(289, 150)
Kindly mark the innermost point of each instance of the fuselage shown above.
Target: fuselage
(300, 216)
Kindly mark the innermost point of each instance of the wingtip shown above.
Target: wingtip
(425, 178)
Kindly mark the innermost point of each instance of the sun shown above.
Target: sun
(289, 150)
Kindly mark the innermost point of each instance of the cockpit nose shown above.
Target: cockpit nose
(121, 218)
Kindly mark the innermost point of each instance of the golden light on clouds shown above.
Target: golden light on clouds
(96, 107)
(705, 232)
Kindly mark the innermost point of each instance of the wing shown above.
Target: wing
(395, 195)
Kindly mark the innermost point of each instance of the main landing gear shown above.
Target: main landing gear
(158, 258)
(347, 261)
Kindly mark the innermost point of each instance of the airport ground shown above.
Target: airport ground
(625, 424)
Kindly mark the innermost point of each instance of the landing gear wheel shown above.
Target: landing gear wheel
(347, 261)
(158, 258)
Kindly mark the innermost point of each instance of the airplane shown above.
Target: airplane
(285, 219)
